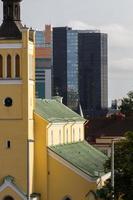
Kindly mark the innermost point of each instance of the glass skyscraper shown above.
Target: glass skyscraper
(80, 70)
(72, 69)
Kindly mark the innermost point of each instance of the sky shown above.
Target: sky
(114, 17)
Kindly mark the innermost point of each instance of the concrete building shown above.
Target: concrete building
(80, 71)
(43, 154)
(43, 55)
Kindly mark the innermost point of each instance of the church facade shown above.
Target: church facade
(43, 155)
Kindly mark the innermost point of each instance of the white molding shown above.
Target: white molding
(71, 167)
(32, 82)
(11, 46)
(11, 186)
(30, 47)
(10, 82)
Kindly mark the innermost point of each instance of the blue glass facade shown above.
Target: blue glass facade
(40, 39)
(72, 69)
(80, 70)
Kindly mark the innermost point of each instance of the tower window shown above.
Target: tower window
(9, 11)
(17, 66)
(8, 66)
(16, 10)
(8, 144)
(8, 102)
(1, 66)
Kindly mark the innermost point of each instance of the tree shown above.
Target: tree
(105, 192)
(123, 155)
(127, 105)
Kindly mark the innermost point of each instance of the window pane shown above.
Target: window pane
(17, 66)
(8, 66)
(1, 66)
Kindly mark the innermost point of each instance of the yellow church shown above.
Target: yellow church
(43, 154)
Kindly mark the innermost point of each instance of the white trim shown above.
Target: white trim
(70, 166)
(32, 82)
(11, 46)
(30, 47)
(10, 185)
(10, 82)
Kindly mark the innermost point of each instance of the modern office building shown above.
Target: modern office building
(43, 62)
(80, 70)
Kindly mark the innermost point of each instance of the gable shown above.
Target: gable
(9, 188)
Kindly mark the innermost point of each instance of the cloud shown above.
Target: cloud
(119, 36)
(125, 64)
(80, 25)
(120, 45)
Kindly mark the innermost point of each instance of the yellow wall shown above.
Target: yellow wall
(16, 122)
(40, 181)
(66, 132)
(11, 192)
(53, 180)
(62, 181)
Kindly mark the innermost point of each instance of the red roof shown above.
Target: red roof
(96, 128)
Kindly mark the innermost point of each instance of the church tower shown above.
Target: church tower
(17, 82)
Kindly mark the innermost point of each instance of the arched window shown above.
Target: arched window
(67, 135)
(8, 66)
(79, 134)
(52, 139)
(73, 135)
(59, 136)
(9, 11)
(8, 198)
(17, 66)
(67, 198)
(1, 66)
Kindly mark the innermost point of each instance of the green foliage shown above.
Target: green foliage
(105, 192)
(123, 156)
(127, 105)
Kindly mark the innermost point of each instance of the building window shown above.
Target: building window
(16, 10)
(79, 134)
(8, 66)
(52, 142)
(17, 66)
(73, 135)
(9, 11)
(1, 66)
(59, 136)
(67, 135)
(8, 198)
(8, 144)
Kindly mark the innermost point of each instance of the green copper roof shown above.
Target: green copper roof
(53, 111)
(83, 156)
